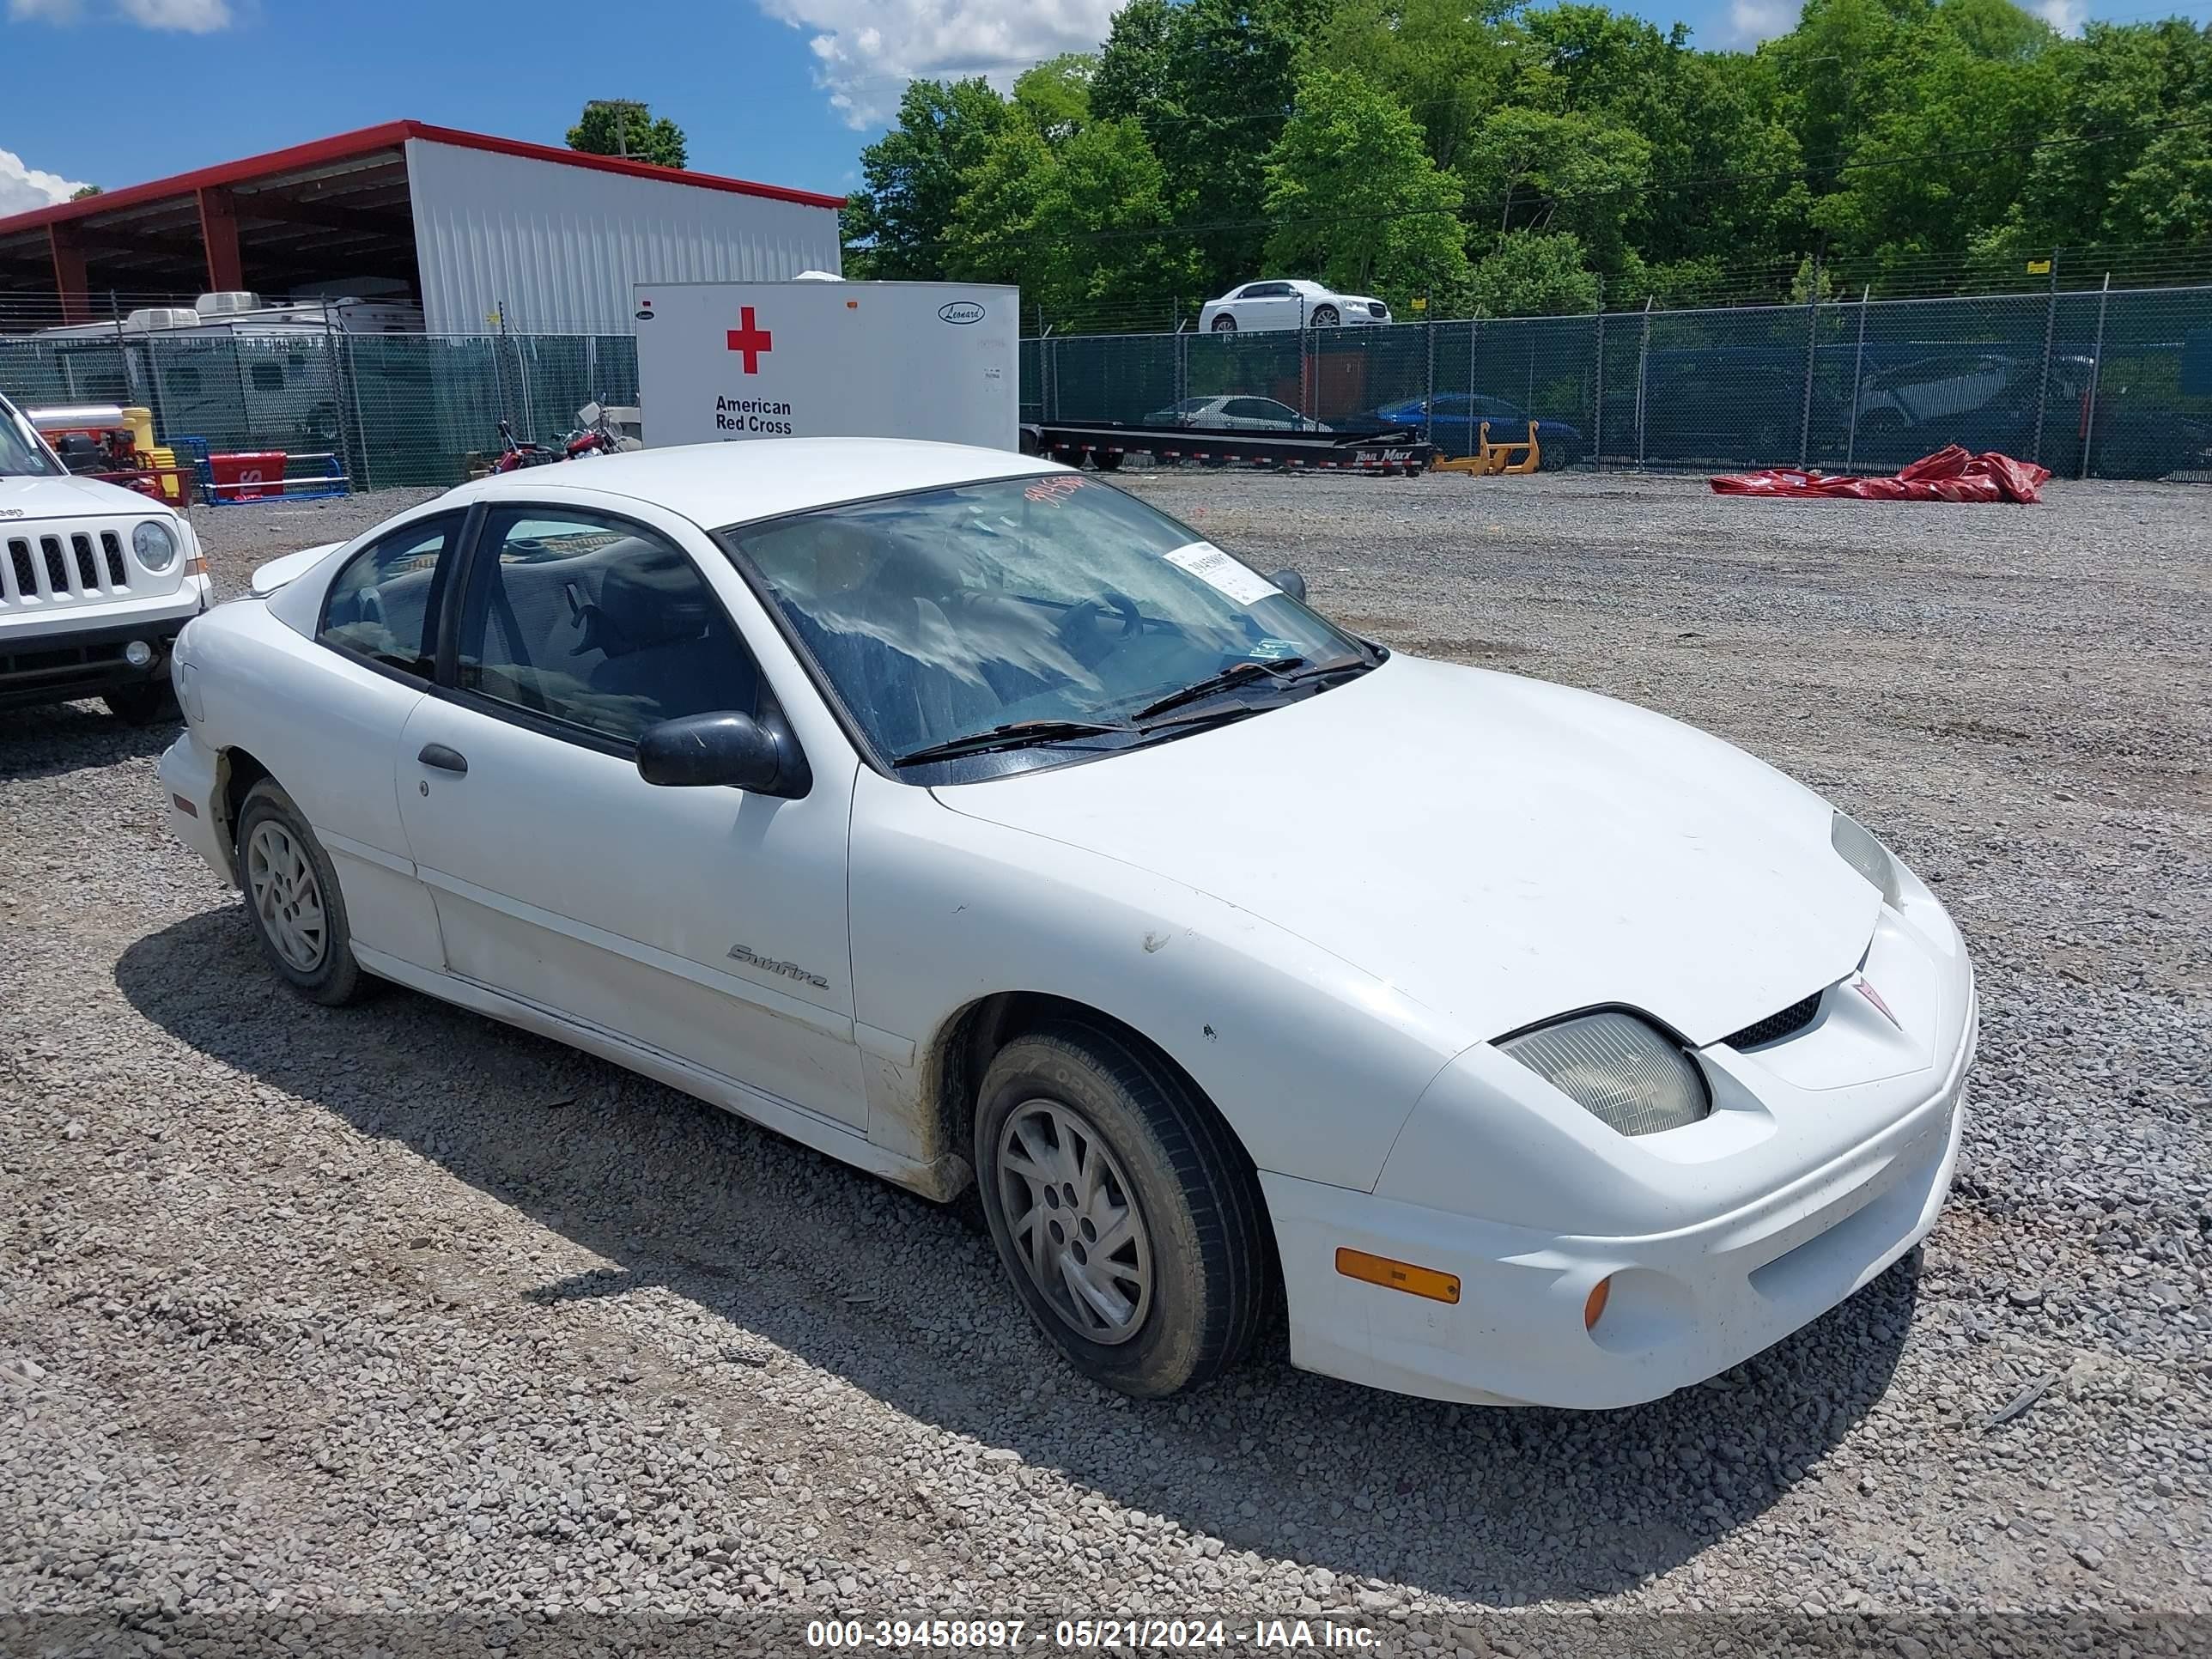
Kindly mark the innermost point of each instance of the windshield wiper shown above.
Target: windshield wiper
(1227, 680)
(1015, 734)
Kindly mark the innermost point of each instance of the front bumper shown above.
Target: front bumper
(1684, 1305)
(191, 805)
(48, 660)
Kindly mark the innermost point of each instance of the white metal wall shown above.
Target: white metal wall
(559, 247)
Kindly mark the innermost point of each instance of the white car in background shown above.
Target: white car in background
(1530, 1048)
(95, 583)
(1273, 304)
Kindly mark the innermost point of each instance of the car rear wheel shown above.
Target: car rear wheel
(292, 895)
(1325, 317)
(1124, 1213)
(1225, 324)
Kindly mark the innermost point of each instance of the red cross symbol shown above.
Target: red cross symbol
(749, 338)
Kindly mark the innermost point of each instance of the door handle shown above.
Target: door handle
(445, 759)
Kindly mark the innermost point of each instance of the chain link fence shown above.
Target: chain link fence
(393, 409)
(2091, 383)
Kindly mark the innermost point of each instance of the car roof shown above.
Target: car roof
(717, 484)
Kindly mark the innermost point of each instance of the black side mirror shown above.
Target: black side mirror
(732, 751)
(1290, 582)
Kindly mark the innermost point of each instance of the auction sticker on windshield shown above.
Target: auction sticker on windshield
(1223, 574)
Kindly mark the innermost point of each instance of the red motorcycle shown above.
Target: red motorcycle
(597, 439)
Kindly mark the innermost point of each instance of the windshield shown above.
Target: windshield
(948, 613)
(22, 454)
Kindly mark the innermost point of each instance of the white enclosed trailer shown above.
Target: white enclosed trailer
(811, 359)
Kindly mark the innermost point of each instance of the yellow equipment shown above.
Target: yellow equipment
(1490, 458)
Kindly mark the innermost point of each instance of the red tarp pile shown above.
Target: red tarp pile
(1951, 474)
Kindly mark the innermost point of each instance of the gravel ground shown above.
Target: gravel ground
(309, 1312)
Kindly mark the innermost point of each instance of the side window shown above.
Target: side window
(383, 604)
(597, 624)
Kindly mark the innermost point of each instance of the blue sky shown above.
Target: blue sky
(786, 91)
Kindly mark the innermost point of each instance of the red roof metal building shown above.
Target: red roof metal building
(473, 226)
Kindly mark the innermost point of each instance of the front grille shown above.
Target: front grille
(63, 568)
(1775, 1027)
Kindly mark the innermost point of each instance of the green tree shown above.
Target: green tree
(1055, 95)
(616, 127)
(1530, 171)
(912, 177)
(1532, 275)
(1073, 210)
(1898, 134)
(1356, 200)
(1443, 59)
(1211, 82)
(2127, 140)
(1978, 93)
(83, 191)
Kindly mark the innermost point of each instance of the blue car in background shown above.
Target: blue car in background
(1453, 421)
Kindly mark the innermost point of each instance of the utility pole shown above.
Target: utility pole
(622, 107)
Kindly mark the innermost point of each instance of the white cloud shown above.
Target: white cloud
(183, 17)
(24, 188)
(866, 50)
(1751, 21)
(2064, 16)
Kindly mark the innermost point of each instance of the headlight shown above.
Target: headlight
(1623, 1072)
(1855, 844)
(155, 545)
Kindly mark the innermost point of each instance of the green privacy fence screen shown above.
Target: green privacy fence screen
(2115, 384)
(2090, 384)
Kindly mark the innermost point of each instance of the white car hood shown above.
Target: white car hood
(1498, 848)
(68, 497)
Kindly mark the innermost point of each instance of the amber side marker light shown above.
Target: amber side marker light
(184, 806)
(1593, 1305)
(1398, 1275)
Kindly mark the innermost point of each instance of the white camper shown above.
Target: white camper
(718, 362)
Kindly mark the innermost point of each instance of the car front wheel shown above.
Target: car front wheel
(1225, 324)
(1325, 317)
(1125, 1215)
(292, 895)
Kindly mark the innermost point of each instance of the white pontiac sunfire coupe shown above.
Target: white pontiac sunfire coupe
(964, 818)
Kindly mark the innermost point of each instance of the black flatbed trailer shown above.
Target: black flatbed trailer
(1399, 452)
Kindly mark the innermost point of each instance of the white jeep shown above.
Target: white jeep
(95, 583)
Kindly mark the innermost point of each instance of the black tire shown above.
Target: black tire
(1202, 1227)
(1225, 324)
(334, 977)
(142, 704)
(1326, 317)
(1107, 460)
(1557, 457)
